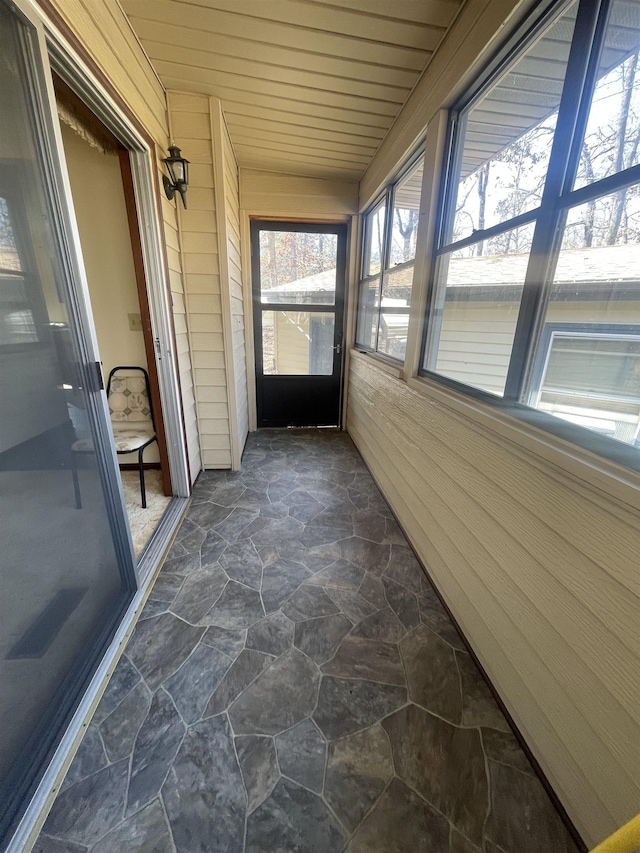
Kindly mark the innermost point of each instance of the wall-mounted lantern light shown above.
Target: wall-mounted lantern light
(178, 169)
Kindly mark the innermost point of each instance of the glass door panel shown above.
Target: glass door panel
(298, 267)
(66, 568)
(298, 286)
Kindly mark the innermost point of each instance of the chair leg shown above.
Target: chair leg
(143, 493)
(76, 481)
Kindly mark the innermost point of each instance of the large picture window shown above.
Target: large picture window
(534, 303)
(389, 250)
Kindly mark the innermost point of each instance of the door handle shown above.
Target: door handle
(338, 348)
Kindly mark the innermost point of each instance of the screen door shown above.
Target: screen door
(298, 273)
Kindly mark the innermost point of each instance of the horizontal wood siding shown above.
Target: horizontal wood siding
(236, 292)
(106, 34)
(191, 131)
(282, 195)
(476, 338)
(291, 342)
(475, 343)
(541, 571)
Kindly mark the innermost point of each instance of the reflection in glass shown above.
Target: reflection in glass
(587, 366)
(612, 138)
(396, 287)
(368, 312)
(508, 135)
(406, 210)
(476, 311)
(17, 320)
(392, 334)
(62, 588)
(374, 241)
(297, 343)
(394, 316)
(298, 267)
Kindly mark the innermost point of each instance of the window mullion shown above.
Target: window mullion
(456, 132)
(386, 249)
(600, 15)
(545, 245)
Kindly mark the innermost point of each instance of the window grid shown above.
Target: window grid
(548, 217)
(386, 200)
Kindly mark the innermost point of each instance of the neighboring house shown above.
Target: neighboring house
(590, 314)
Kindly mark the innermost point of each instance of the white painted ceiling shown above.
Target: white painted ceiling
(308, 87)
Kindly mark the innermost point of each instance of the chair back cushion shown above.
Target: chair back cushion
(128, 400)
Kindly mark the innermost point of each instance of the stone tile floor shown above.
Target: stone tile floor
(294, 684)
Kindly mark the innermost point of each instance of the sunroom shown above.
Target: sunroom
(320, 446)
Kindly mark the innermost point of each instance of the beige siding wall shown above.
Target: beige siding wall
(541, 571)
(532, 542)
(291, 342)
(292, 196)
(475, 343)
(236, 292)
(105, 33)
(211, 247)
(190, 123)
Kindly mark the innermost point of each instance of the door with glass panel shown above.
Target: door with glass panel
(298, 273)
(66, 566)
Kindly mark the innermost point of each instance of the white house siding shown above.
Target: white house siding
(476, 338)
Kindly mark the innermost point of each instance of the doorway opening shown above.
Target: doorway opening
(298, 274)
(101, 183)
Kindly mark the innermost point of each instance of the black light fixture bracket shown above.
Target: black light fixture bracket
(178, 169)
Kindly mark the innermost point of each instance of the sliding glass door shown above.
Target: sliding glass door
(66, 564)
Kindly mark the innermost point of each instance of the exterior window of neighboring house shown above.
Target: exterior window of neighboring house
(390, 233)
(534, 304)
(589, 374)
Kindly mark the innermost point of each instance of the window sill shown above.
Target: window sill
(388, 365)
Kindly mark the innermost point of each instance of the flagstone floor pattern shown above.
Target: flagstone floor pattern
(294, 684)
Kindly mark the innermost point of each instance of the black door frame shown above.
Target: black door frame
(307, 390)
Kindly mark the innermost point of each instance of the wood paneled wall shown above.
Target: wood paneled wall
(272, 194)
(106, 34)
(190, 122)
(541, 571)
(231, 183)
(210, 242)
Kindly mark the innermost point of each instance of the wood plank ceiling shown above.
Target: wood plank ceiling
(308, 87)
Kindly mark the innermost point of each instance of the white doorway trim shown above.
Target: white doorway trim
(65, 60)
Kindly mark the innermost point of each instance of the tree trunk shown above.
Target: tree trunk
(483, 180)
(628, 80)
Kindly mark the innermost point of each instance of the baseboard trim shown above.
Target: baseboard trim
(537, 769)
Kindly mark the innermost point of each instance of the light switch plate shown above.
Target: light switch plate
(135, 322)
